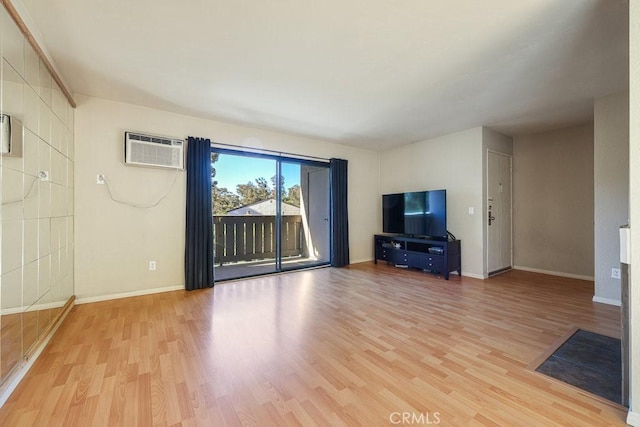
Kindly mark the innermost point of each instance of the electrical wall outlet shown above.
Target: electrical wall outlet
(472, 210)
(152, 265)
(615, 273)
(100, 179)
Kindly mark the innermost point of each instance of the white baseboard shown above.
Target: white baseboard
(358, 261)
(19, 374)
(553, 273)
(633, 419)
(472, 275)
(34, 307)
(99, 298)
(609, 301)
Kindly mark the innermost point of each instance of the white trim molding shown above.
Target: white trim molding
(609, 301)
(99, 298)
(633, 419)
(554, 273)
(361, 260)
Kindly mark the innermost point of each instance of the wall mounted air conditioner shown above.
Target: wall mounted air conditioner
(156, 151)
(10, 136)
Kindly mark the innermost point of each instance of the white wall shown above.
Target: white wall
(634, 208)
(115, 243)
(611, 190)
(452, 162)
(553, 201)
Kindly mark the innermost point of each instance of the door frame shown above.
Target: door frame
(328, 221)
(486, 208)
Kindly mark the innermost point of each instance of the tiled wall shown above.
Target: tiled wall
(36, 215)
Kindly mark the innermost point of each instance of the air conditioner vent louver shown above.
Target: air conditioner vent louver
(149, 150)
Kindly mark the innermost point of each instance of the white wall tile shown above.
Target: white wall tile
(70, 174)
(44, 156)
(61, 134)
(70, 202)
(70, 235)
(58, 101)
(11, 246)
(63, 200)
(11, 296)
(63, 232)
(31, 199)
(44, 199)
(71, 119)
(12, 195)
(12, 92)
(67, 286)
(45, 84)
(55, 268)
(70, 144)
(57, 209)
(12, 103)
(44, 121)
(66, 172)
(30, 284)
(44, 275)
(30, 245)
(56, 134)
(30, 153)
(64, 263)
(56, 175)
(12, 43)
(44, 237)
(55, 234)
(31, 109)
(31, 67)
(11, 162)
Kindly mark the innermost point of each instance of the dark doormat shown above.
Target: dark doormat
(588, 361)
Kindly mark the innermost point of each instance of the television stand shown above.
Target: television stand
(436, 256)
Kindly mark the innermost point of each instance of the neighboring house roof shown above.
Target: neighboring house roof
(265, 207)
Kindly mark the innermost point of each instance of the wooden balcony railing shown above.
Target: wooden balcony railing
(252, 237)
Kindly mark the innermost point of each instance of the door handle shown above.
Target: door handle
(491, 218)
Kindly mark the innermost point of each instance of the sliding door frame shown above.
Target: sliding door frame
(279, 159)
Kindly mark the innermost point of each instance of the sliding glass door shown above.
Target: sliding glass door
(271, 214)
(307, 233)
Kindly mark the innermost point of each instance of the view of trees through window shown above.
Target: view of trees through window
(256, 190)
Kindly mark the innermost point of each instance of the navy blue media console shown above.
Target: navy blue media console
(436, 256)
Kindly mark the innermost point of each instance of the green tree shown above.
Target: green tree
(214, 158)
(252, 192)
(224, 201)
(292, 196)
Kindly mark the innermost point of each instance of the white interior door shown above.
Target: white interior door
(319, 214)
(499, 239)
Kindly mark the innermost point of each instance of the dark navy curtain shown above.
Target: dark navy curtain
(339, 214)
(198, 257)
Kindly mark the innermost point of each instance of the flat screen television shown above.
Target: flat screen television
(420, 213)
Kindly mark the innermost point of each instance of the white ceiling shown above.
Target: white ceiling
(368, 73)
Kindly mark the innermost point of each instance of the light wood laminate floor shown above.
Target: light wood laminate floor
(353, 346)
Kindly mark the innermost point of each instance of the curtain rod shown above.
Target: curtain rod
(265, 151)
